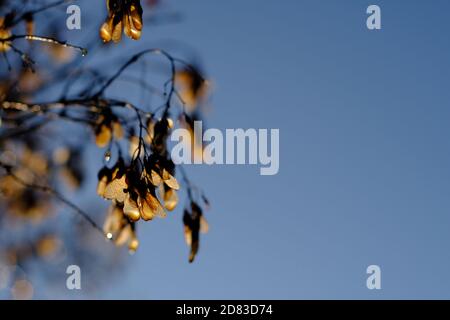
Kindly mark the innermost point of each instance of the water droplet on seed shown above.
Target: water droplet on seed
(107, 156)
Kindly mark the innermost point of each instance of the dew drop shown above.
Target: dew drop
(107, 156)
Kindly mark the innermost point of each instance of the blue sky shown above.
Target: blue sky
(364, 155)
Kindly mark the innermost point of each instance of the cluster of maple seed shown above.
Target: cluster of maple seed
(145, 188)
(143, 185)
(122, 14)
(132, 190)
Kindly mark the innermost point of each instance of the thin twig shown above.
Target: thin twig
(45, 39)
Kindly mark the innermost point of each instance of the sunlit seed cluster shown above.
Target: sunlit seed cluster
(41, 167)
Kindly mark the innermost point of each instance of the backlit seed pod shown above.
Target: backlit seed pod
(101, 186)
(155, 178)
(193, 87)
(134, 146)
(104, 177)
(117, 130)
(136, 16)
(133, 245)
(130, 30)
(116, 189)
(130, 209)
(117, 32)
(150, 131)
(106, 31)
(133, 21)
(4, 34)
(61, 156)
(47, 246)
(150, 207)
(170, 199)
(102, 136)
(204, 226)
(122, 15)
(170, 123)
(192, 227)
(113, 221)
(170, 180)
(124, 235)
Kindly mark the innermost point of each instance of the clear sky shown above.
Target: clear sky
(364, 154)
